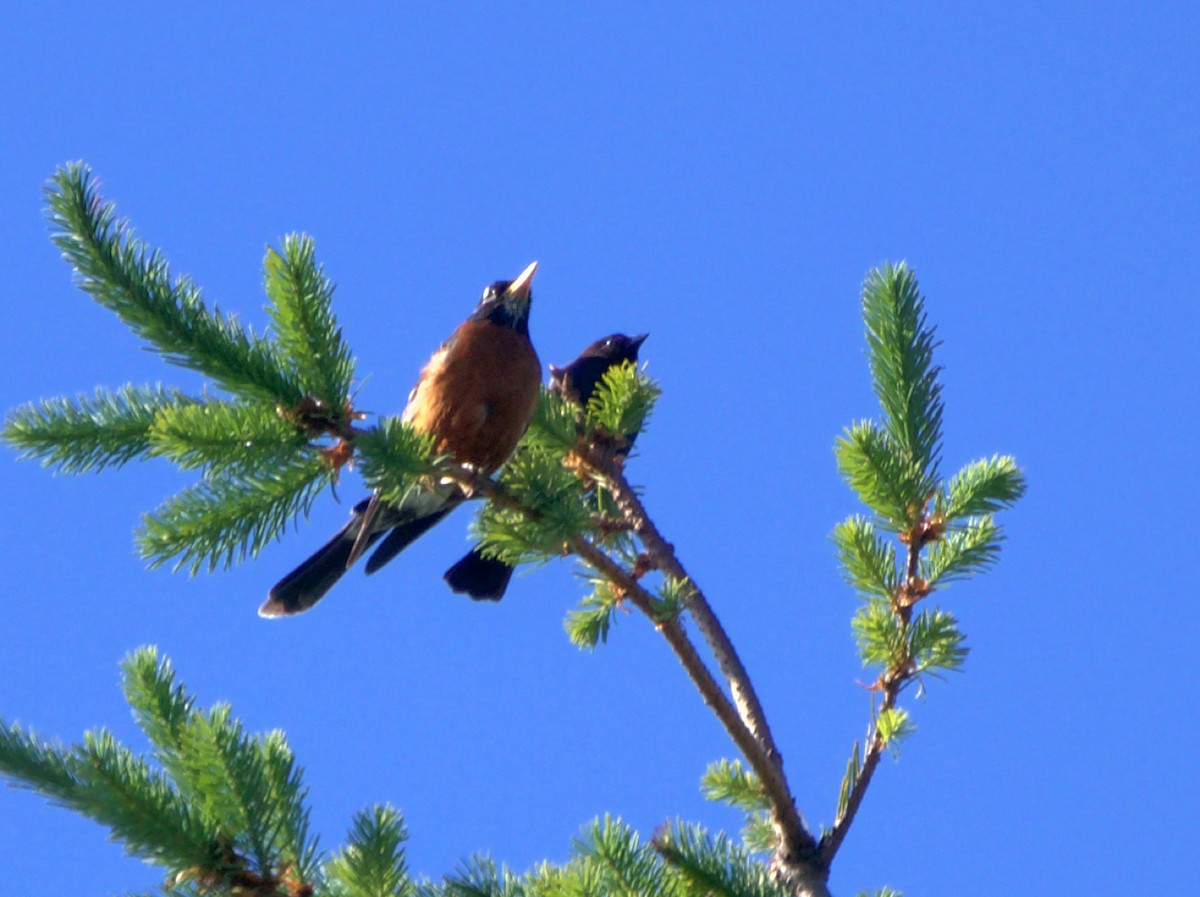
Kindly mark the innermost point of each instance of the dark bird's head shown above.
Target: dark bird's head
(579, 379)
(616, 348)
(506, 302)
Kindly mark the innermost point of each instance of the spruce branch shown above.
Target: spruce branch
(261, 468)
(980, 488)
(622, 862)
(285, 806)
(372, 864)
(233, 514)
(231, 805)
(758, 832)
(946, 528)
(886, 481)
(553, 426)
(36, 764)
(220, 772)
(672, 630)
(302, 311)
(855, 784)
(673, 596)
(481, 877)
(246, 786)
(104, 782)
(225, 813)
(552, 508)
(935, 643)
(900, 345)
(161, 705)
(794, 843)
(587, 626)
(662, 555)
(215, 436)
(580, 877)
(868, 562)
(962, 551)
(120, 790)
(879, 635)
(86, 433)
(393, 457)
(714, 865)
(794, 846)
(553, 502)
(849, 780)
(728, 781)
(593, 460)
(882, 633)
(622, 402)
(122, 274)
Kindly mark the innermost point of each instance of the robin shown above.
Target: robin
(485, 578)
(476, 396)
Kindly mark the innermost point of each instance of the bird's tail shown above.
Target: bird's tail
(482, 578)
(308, 583)
(402, 535)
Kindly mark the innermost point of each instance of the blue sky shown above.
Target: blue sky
(722, 177)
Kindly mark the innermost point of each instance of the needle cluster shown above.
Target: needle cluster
(265, 447)
(921, 532)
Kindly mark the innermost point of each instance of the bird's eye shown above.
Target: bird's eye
(493, 292)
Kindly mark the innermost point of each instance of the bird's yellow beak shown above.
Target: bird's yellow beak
(520, 286)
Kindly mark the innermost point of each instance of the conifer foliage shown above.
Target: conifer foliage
(254, 448)
(223, 812)
(940, 530)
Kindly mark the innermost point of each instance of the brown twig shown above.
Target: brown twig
(663, 554)
(673, 632)
(797, 850)
(912, 590)
(797, 858)
(837, 834)
(709, 690)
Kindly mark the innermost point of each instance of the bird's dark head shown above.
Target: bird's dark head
(579, 379)
(615, 348)
(506, 302)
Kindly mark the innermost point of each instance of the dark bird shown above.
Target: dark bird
(485, 578)
(476, 395)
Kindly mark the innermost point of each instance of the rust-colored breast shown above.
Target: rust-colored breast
(478, 393)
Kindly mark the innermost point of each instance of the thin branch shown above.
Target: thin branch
(663, 555)
(790, 829)
(709, 688)
(890, 682)
(797, 847)
(837, 834)
(795, 841)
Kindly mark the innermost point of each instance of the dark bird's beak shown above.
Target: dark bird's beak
(635, 342)
(519, 288)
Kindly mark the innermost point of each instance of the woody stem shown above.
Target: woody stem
(676, 637)
(891, 681)
(797, 861)
(841, 826)
(796, 844)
